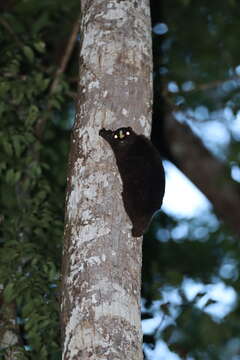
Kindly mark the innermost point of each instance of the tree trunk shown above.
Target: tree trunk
(101, 261)
(9, 330)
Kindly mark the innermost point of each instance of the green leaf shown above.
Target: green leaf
(18, 96)
(28, 53)
(28, 309)
(55, 104)
(9, 292)
(3, 166)
(10, 176)
(7, 146)
(16, 139)
(32, 116)
(4, 87)
(40, 46)
(17, 176)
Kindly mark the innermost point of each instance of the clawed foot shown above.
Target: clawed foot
(136, 232)
(105, 133)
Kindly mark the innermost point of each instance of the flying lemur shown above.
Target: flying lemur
(142, 173)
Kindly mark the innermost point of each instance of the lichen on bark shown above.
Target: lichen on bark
(101, 261)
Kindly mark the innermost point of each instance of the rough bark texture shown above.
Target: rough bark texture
(101, 261)
(9, 331)
(209, 174)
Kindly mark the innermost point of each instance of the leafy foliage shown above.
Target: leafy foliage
(33, 172)
(196, 64)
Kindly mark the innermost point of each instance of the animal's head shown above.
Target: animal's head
(119, 137)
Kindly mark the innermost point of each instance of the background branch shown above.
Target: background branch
(63, 64)
(9, 29)
(212, 84)
(209, 174)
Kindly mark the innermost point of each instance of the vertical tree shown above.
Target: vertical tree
(101, 261)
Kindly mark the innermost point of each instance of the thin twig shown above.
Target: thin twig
(7, 26)
(213, 84)
(66, 56)
(63, 64)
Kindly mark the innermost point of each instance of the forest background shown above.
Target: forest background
(196, 80)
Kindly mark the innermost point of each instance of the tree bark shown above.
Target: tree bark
(9, 330)
(101, 261)
(209, 174)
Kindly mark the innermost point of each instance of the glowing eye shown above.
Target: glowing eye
(127, 133)
(115, 136)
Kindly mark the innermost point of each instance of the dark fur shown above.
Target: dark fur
(142, 174)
